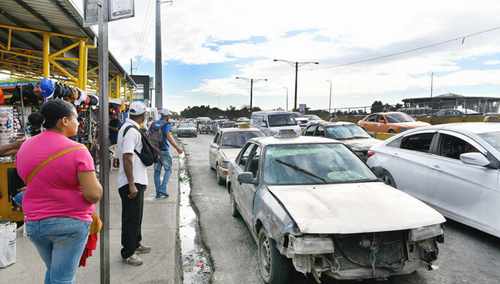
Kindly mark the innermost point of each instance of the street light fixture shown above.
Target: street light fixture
(251, 80)
(296, 64)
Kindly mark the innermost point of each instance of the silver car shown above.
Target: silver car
(313, 205)
(225, 147)
(452, 167)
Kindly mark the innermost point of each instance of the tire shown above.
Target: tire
(388, 179)
(234, 208)
(220, 180)
(274, 268)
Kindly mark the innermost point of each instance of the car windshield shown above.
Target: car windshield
(313, 164)
(348, 131)
(285, 119)
(186, 125)
(492, 138)
(312, 117)
(238, 139)
(399, 117)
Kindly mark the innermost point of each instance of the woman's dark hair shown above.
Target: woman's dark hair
(54, 110)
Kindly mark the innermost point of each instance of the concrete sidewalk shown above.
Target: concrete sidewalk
(159, 230)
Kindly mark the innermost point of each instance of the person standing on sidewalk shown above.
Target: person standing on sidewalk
(132, 182)
(62, 189)
(164, 127)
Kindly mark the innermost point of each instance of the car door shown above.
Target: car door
(320, 131)
(464, 192)
(247, 191)
(214, 149)
(310, 130)
(241, 166)
(409, 163)
(370, 124)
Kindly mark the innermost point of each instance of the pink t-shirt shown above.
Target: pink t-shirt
(54, 191)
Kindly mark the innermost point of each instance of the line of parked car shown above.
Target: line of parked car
(321, 199)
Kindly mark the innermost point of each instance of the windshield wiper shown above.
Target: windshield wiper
(301, 170)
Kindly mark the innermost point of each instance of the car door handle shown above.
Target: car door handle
(436, 166)
(395, 154)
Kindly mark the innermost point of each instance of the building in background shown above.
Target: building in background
(143, 92)
(454, 101)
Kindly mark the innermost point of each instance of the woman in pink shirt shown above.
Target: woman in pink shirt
(62, 189)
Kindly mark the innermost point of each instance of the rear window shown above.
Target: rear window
(238, 139)
(286, 119)
(418, 142)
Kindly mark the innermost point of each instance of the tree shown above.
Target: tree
(377, 106)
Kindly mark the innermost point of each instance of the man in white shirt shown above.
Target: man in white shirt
(132, 182)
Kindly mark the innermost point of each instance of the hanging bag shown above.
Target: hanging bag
(7, 244)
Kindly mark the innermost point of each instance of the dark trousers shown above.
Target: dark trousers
(132, 210)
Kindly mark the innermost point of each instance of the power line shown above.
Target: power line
(461, 38)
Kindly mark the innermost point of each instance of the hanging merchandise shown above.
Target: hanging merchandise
(2, 97)
(6, 124)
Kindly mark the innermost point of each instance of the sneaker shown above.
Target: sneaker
(142, 249)
(163, 196)
(133, 260)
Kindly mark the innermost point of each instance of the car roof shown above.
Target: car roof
(336, 123)
(466, 127)
(234, 129)
(271, 140)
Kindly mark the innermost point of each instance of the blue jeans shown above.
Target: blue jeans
(161, 184)
(60, 242)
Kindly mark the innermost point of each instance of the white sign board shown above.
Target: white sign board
(120, 9)
(90, 13)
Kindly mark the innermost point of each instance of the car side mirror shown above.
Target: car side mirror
(476, 159)
(247, 177)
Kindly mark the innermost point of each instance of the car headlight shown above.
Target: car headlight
(225, 164)
(311, 245)
(424, 233)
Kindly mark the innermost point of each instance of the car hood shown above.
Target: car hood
(361, 144)
(353, 208)
(230, 154)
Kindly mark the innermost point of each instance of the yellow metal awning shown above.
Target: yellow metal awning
(47, 38)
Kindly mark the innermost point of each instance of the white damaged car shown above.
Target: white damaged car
(312, 205)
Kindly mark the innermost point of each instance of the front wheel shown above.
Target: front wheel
(388, 179)
(220, 179)
(274, 268)
(234, 208)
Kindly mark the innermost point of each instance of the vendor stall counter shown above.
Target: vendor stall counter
(10, 183)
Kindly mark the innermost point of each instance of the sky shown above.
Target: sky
(207, 43)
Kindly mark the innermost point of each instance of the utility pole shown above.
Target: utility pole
(330, 99)
(158, 56)
(286, 98)
(158, 59)
(131, 67)
(252, 80)
(103, 59)
(296, 64)
(432, 91)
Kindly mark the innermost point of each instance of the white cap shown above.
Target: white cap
(165, 112)
(137, 108)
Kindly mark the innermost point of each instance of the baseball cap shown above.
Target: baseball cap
(165, 112)
(137, 108)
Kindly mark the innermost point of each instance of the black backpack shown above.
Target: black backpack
(149, 154)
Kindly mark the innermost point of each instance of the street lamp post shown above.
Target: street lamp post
(330, 99)
(296, 64)
(251, 80)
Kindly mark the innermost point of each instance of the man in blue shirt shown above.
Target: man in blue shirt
(167, 139)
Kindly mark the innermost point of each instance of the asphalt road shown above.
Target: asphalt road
(467, 256)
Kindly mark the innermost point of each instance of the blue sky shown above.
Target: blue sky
(207, 43)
